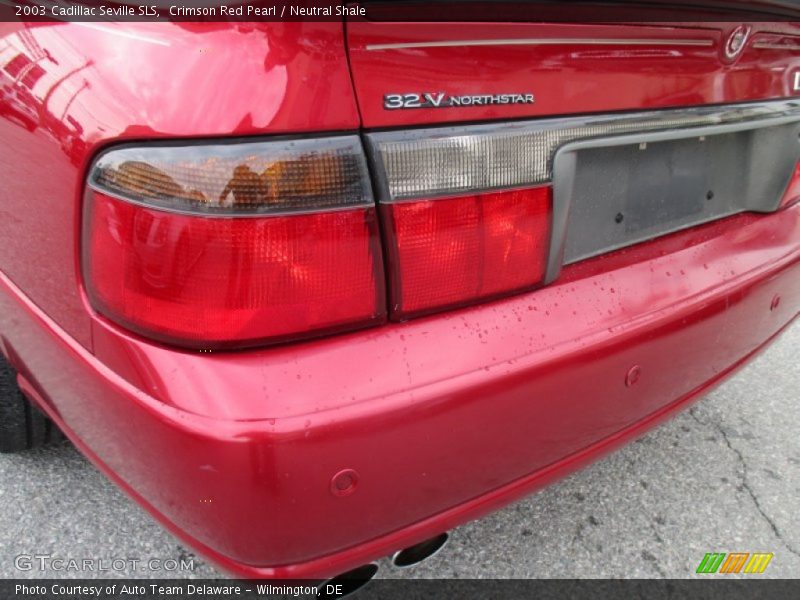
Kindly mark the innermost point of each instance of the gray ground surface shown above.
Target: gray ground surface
(724, 477)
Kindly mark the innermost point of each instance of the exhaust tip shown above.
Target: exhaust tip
(418, 552)
(348, 582)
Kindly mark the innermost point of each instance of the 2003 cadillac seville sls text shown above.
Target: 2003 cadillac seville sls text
(306, 327)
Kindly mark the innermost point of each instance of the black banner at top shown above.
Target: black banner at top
(400, 10)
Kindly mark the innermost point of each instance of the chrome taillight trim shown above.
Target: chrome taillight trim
(446, 161)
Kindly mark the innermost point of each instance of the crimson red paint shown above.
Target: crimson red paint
(570, 68)
(161, 81)
(215, 281)
(444, 417)
(441, 415)
(792, 193)
(453, 251)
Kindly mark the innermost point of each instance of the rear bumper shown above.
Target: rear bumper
(443, 419)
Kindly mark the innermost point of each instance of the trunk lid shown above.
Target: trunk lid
(413, 73)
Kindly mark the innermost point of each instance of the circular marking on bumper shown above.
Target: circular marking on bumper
(344, 482)
(633, 375)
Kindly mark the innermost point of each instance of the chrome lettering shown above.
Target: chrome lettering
(443, 100)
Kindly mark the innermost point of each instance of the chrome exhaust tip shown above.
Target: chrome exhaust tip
(413, 555)
(348, 582)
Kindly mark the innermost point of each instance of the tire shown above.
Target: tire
(22, 425)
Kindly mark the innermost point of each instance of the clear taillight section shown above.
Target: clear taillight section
(453, 251)
(234, 245)
(245, 179)
(451, 160)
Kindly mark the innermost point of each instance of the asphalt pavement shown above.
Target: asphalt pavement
(723, 476)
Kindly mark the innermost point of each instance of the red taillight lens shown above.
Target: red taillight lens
(452, 251)
(237, 265)
(792, 193)
(211, 281)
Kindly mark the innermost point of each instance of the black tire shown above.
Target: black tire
(22, 425)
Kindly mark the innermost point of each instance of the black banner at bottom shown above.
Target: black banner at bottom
(402, 589)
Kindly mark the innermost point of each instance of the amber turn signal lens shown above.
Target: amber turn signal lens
(245, 178)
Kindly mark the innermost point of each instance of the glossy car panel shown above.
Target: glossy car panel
(569, 68)
(431, 423)
(443, 417)
(69, 89)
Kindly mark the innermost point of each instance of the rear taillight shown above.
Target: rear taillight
(234, 244)
(452, 251)
(466, 216)
(241, 243)
(469, 211)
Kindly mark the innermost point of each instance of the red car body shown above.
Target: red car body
(437, 420)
